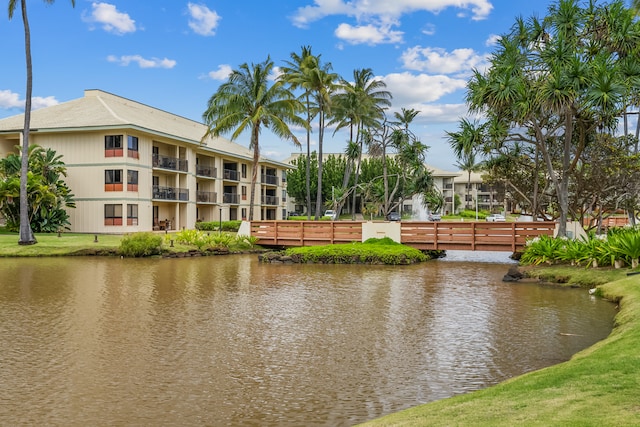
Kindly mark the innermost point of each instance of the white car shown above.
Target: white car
(331, 214)
(495, 218)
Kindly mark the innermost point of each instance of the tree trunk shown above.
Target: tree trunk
(26, 234)
(308, 169)
(320, 136)
(254, 171)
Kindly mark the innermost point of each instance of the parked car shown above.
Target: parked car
(393, 216)
(434, 217)
(333, 215)
(294, 213)
(495, 218)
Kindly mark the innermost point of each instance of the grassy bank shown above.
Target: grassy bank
(597, 387)
(74, 244)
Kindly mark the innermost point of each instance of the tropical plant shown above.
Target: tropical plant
(247, 102)
(554, 82)
(296, 74)
(360, 106)
(48, 194)
(26, 232)
(140, 244)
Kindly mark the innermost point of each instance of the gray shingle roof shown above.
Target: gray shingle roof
(99, 109)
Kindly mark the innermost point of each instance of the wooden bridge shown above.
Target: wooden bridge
(427, 235)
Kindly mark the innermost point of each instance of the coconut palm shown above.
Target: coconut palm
(26, 233)
(321, 82)
(295, 73)
(360, 105)
(466, 143)
(246, 102)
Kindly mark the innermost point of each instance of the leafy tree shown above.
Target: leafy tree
(48, 194)
(247, 102)
(26, 233)
(553, 82)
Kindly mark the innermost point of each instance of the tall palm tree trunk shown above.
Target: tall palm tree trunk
(320, 137)
(308, 169)
(26, 234)
(254, 171)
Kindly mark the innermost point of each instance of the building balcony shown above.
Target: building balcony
(269, 179)
(231, 198)
(206, 197)
(170, 163)
(206, 171)
(231, 175)
(170, 193)
(270, 200)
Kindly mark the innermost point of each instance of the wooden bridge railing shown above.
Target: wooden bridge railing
(443, 235)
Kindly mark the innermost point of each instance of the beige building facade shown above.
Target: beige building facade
(133, 167)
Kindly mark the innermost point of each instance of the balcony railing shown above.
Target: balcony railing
(270, 200)
(170, 193)
(206, 197)
(269, 179)
(208, 171)
(171, 163)
(232, 198)
(231, 175)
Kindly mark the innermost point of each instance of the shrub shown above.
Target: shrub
(247, 241)
(140, 244)
(215, 226)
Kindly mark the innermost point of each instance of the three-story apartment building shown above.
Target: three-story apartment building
(133, 167)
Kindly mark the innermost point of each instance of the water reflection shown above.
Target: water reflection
(229, 341)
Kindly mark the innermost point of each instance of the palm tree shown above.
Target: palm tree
(247, 102)
(321, 81)
(26, 233)
(296, 74)
(465, 144)
(360, 105)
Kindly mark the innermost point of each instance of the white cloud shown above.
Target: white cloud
(369, 34)
(203, 20)
(40, 102)
(10, 100)
(125, 60)
(221, 73)
(492, 40)
(429, 29)
(363, 10)
(438, 60)
(411, 89)
(111, 19)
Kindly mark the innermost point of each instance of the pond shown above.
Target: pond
(226, 340)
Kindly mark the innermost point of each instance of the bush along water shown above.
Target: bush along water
(372, 251)
(619, 247)
(140, 245)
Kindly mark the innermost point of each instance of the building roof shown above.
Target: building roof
(103, 110)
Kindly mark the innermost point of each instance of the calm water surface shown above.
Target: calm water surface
(228, 341)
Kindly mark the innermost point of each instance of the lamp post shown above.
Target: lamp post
(220, 229)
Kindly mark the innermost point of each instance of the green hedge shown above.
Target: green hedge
(215, 226)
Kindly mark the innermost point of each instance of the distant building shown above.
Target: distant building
(484, 197)
(133, 167)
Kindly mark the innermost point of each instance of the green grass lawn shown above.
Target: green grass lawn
(52, 245)
(599, 386)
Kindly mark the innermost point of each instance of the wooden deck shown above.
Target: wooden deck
(427, 235)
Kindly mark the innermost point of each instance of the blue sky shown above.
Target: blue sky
(173, 54)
